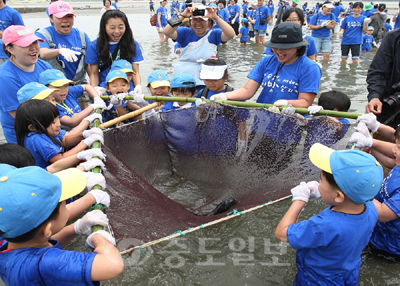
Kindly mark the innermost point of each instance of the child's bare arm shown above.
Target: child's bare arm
(77, 118)
(385, 213)
(90, 90)
(289, 218)
(63, 164)
(104, 266)
(93, 72)
(65, 235)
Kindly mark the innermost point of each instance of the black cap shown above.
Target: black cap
(286, 35)
(382, 6)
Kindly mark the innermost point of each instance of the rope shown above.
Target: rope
(229, 216)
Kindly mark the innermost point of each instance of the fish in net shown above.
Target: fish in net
(181, 168)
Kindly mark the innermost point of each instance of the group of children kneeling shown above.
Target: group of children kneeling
(32, 220)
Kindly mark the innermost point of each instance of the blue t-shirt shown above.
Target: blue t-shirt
(337, 10)
(164, 14)
(71, 41)
(245, 33)
(12, 79)
(186, 35)
(329, 246)
(388, 27)
(368, 13)
(42, 148)
(249, 13)
(316, 20)
(244, 8)
(8, 17)
(45, 266)
(301, 76)
(71, 102)
(261, 13)
(311, 49)
(386, 235)
(397, 23)
(115, 6)
(224, 15)
(353, 30)
(233, 10)
(271, 8)
(92, 57)
(367, 43)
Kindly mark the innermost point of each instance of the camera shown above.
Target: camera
(199, 12)
(394, 99)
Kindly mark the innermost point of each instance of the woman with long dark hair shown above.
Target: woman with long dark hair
(114, 42)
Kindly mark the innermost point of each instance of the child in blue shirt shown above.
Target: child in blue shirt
(329, 244)
(182, 85)
(244, 32)
(388, 27)
(368, 40)
(33, 221)
(71, 113)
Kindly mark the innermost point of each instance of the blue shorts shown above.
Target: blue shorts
(261, 33)
(324, 44)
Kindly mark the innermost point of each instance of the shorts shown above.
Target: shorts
(355, 51)
(323, 44)
(243, 42)
(261, 33)
(337, 28)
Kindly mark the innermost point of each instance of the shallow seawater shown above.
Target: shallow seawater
(243, 250)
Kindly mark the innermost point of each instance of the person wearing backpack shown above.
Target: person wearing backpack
(378, 22)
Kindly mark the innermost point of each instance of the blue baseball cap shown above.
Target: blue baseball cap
(183, 80)
(358, 174)
(122, 65)
(158, 78)
(54, 77)
(244, 20)
(114, 74)
(34, 90)
(29, 195)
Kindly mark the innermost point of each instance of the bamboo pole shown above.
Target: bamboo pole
(332, 113)
(179, 233)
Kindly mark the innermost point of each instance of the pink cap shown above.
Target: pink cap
(60, 8)
(20, 36)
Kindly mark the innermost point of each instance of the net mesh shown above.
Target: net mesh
(166, 172)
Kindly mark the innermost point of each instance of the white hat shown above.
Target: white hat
(328, 5)
(212, 72)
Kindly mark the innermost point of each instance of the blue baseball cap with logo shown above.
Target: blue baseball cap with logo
(158, 78)
(54, 77)
(358, 174)
(114, 74)
(183, 80)
(122, 65)
(34, 90)
(29, 196)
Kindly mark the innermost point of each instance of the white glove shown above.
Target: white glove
(93, 116)
(90, 153)
(241, 148)
(361, 140)
(92, 138)
(116, 99)
(363, 129)
(69, 55)
(149, 113)
(301, 192)
(233, 22)
(219, 96)
(93, 179)
(91, 131)
(199, 101)
(274, 109)
(314, 192)
(370, 121)
(100, 90)
(281, 102)
(289, 111)
(324, 23)
(137, 98)
(138, 89)
(161, 30)
(340, 34)
(253, 21)
(84, 225)
(91, 164)
(103, 233)
(314, 109)
(99, 102)
(101, 197)
(367, 21)
(97, 105)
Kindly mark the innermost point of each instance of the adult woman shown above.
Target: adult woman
(71, 57)
(295, 15)
(287, 78)
(115, 42)
(162, 14)
(198, 42)
(23, 67)
(107, 6)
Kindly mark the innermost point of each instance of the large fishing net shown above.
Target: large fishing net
(182, 168)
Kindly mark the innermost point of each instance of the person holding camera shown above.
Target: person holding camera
(198, 42)
(383, 81)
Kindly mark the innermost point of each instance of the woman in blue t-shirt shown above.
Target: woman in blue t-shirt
(115, 42)
(162, 14)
